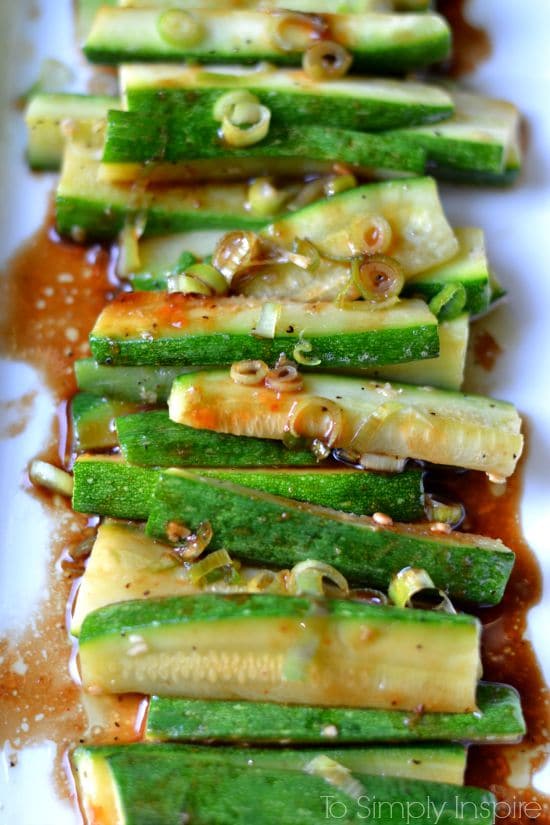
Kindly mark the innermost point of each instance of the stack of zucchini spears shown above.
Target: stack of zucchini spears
(264, 397)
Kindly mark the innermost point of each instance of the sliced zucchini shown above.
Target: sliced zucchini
(469, 268)
(86, 207)
(265, 529)
(283, 649)
(142, 385)
(106, 486)
(152, 440)
(498, 719)
(159, 256)
(166, 146)
(431, 763)
(358, 103)
(48, 116)
(394, 419)
(480, 138)
(421, 236)
(126, 564)
(379, 43)
(159, 328)
(93, 420)
(141, 784)
(446, 371)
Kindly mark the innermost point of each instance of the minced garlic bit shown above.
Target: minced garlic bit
(382, 519)
(137, 649)
(330, 731)
(440, 527)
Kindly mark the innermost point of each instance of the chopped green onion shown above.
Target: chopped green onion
(187, 285)
(308, 254)
(413, 588)
(300, 354)
(382, 463)
(213, 561)
(226, 103)
(284, 378)
(336, 775)
(443, 513)
(200, 279)
(267, 581)
(52, 478)
(249, 373)
(264, 199)
(235, 252)
(294, 32)
(326, 60)
(179, 28)
(316, 417)
(194, 544)
(378, 278)
(245, 123)
(266, 325)
(449, 302)
(339, 183)
(307, 579)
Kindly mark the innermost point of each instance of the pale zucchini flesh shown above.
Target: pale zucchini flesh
(383, 43)
(422, 422)
(213, 646)
(160, 328)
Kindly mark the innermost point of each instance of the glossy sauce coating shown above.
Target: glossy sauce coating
(44, 702)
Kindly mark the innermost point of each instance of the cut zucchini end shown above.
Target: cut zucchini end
(98, 794)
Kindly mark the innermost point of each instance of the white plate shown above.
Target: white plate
(517, 223)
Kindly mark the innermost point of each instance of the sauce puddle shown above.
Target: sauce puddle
(55, 290)
(471, 44)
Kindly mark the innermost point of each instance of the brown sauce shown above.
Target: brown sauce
(471, 44)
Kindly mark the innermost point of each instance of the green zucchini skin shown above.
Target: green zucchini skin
(187, 96)
(469, 267)
(442, 427)
(99, 210)
(269, 530)
(152, 440)
(267, 647)
(140, 328)
(418, 762)
(140, 138)
(380, 43)
(154, 784)
(93, 420)
(105, 486)
(498, 720)
(141, 385)
(125, 491)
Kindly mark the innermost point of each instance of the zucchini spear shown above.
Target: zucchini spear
(261, 528)
(159, 149)
(357, 103)
(140, 328)
(93, 420)
(379, 43)
(283, 649)
(142, 784)
(107, 486)
(498, 720)
(395, 419)
(97, 210)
